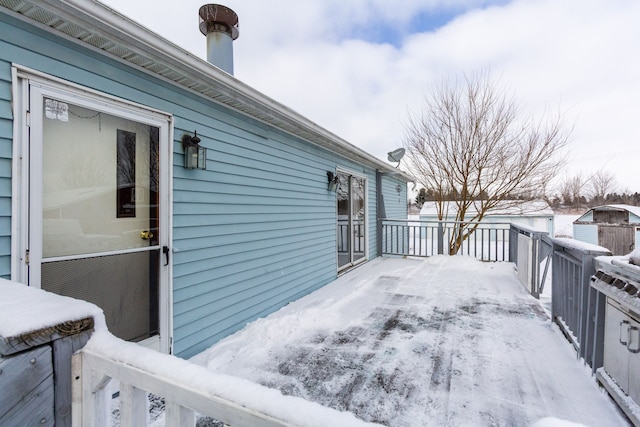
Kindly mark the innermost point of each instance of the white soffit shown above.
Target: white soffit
(102, 28)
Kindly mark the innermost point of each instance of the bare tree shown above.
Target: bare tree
(472, 141)
(571, 189)
(600, 184)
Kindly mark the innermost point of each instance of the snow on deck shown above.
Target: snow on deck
(25, 309)
(445, 341)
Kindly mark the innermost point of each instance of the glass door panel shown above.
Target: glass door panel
(344, 220)
(351, 212)
(100, 214)
(357, 217)
(99, 184)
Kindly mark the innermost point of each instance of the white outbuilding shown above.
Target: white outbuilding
(536, 214)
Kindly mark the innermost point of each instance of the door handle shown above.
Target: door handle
(625, 343)
(146, 235)
(165, 251)
(637, 349)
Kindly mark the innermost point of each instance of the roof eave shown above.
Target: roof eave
(154, 54)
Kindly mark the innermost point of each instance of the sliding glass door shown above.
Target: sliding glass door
(352, 210)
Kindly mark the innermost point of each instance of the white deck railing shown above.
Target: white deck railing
(489, 241)
(186, 388)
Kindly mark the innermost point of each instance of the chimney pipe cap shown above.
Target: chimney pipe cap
(215, 17)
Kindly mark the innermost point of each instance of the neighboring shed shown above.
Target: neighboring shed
(99, 200)
(535, 214)
(615, 227)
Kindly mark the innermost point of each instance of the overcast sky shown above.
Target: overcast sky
(357, 67)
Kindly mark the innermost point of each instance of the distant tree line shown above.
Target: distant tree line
(428, 195)
(575, 191)
(600, 188)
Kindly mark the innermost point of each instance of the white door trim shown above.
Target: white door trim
(29, 85)
(363, 176)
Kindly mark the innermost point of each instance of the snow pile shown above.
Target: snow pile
(25, 309)
(563, 225)
(581, 246)
(442, 341)
(634, 257)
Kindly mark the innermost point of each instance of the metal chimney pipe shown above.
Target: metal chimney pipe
(220, 25)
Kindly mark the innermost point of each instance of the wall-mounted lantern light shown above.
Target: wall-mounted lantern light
(333, 181)
(195, 156)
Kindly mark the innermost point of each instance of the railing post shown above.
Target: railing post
(178, 416)
(379, 236)
(513, 244)
(76, 389)
(88, 396)
(440, 238)
(133, 406)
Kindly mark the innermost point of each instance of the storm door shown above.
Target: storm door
(352, 211)
(97, 224)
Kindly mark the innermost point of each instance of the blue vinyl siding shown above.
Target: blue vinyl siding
(253, 232)
(395, 206)
(6, 147)
(260, 221)
(395, 203)
(371, 213)
(587, 217)
(586, 233)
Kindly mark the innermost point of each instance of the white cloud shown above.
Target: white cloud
(579, 55)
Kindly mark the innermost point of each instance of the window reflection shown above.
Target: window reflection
(100, 181)
(126, 172)
(351, 232)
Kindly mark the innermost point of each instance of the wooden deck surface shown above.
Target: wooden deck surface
(437, 343)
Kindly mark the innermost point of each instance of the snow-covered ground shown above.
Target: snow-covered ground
(444, 341)
(563, 224)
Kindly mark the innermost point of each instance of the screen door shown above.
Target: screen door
(95, 225)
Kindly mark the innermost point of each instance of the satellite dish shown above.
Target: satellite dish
(396, 155)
